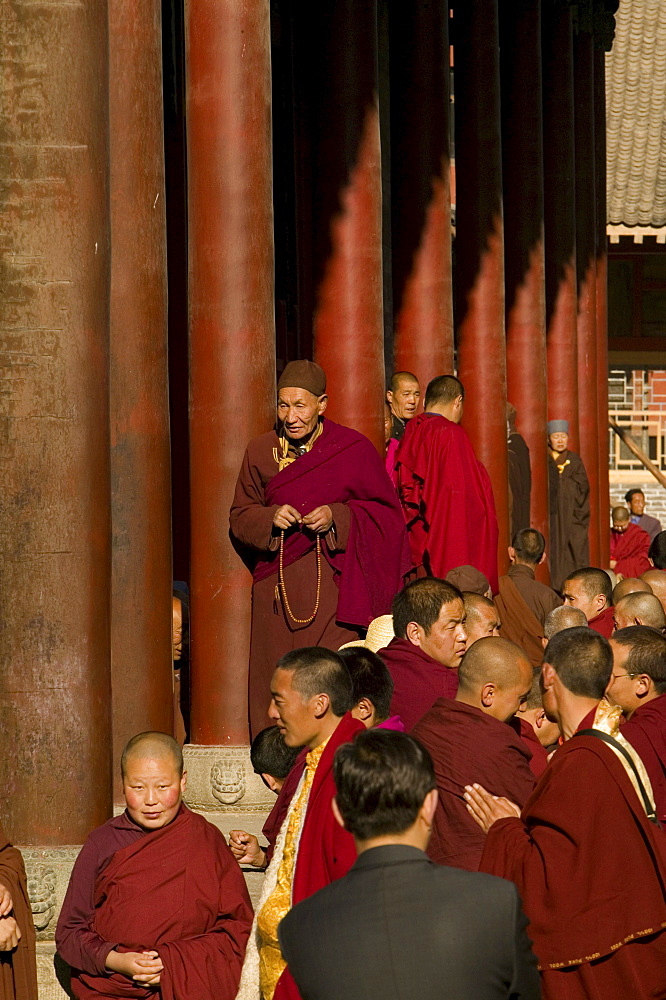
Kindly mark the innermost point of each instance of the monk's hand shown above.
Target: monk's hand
(486, 809)
(10, 934)
(286, 516)
(134, 964)
(319, 520)
(152, 964)
(245, 848)
(6, 901)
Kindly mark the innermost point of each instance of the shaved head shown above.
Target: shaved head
(630, 585)
(561, 618)
(656, 580)
(640, 609)
(495, 675)
(620, 515)
(481, 617)
(152, 746)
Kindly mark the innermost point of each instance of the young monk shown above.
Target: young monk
(156, 905)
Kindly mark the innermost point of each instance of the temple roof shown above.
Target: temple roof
(636, 115)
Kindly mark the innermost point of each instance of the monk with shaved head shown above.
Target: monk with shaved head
(481, 617)
(562, 618)
(630, 585)
(629, 545)
(469, 740)
(156, 905)
(656, 580)
(639, 609)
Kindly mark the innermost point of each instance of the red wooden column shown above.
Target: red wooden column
(141, 659)
(346, 204)
(559, 215)
(479, 276)
(602, 300)
(420, 189)
(586, 247)
(232, 377)
(522, 173)
(55, 692)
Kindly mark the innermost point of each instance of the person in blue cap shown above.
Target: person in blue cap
(570, 506)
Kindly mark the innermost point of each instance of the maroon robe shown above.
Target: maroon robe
(363, 561)
(603, 623)
(447, 499)
(418, 680)
(467, 746)
(630, 549)
(539, 759)
(18, 968)
(597, 919)
(177, 890)
(646, 731)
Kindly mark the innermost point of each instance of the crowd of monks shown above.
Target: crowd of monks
(533, 718)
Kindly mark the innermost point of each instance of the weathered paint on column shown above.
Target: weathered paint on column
(522, 174)
(586, 240)
(602, 300)
(141, 664)
(479, 291)
(346, 199)
(232, 376)
(559, 216)
(420, 189)
(55, 694)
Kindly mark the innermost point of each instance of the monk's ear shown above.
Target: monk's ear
(321, 705)
(364, 711)
(183, 783)
(488, 692)
(540, 718)
(543, 558)
(643, 686)
(322, 403)
(429, 806)
(512, 553)
(548, 676)
(414, 633)
(337, 813)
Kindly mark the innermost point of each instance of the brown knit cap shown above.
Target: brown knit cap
(303, 375)
(468, 578)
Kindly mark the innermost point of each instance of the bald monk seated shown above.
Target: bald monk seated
(523, 602)
(590, 590)
(429, 643)
(629, 545)
(589, 864)
(481, 618)
(535, 728)
(18, 969)
(639, 609)
(638, 686)
(561, 618)
(656, 581)
(156, 905)
(469, 740)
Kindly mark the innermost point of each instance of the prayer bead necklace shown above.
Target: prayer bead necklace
(283, 589)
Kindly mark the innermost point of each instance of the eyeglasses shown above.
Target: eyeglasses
(616, 676)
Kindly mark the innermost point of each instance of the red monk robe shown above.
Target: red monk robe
(362, 562)
(447, 499)
(646, 731)
(18, 969)
(591, 871)
(629, 549)
(418, 680)
(539, 759)
(467, 746)
(176, 890)
(603, 622)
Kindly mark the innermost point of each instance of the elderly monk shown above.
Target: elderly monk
(597, 932)
(590, 590)
(569, 503)
(639, 609)
(636, 500)
(319, 525)
(629, 545)
(18, 969)
(403, 396)
(311, 698)
(482, 618)
(429, 643)
(656, 581)
(523, 602)
(469, 740)
(638, 686)
(156, 904)
(561, 618)
(445, 492)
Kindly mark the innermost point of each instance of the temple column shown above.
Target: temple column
(559, 215)
(522, 173)
(479, 276)
(141, 657)
(586, 240)
(55, 692)
(602, 299)
(232, 375)
(338, 69)
(420, 189)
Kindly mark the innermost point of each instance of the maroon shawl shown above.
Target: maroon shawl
(418, 680)
(646, 731)
(630, 550)
(447, 499)
(177, 891)
(343, 467)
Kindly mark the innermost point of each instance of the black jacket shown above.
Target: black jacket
(398, 927)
